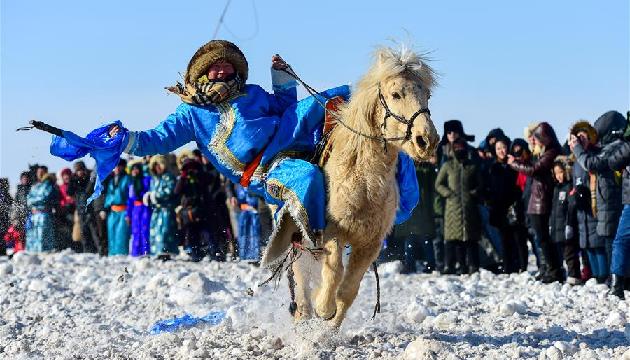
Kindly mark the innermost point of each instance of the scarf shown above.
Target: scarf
(208, 92)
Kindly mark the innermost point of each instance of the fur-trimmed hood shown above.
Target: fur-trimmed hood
(610, 126)
(157, 159)
(210, 53)
(583, 125)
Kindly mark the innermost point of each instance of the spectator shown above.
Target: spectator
(116, 196)
(5, 212)
(563, 220)
(453, 130)
(619, 159)
(139, 213)
(100, 216)
(459, 182)
(41, 199)
(249, 225)
(606, 184)
(192, 188)
(418, 232)
(80, 188)
(502, 194)
(516, 214)
(585, 185)
(65, 213)
(539, 207)
(20, 212)
(163, 200)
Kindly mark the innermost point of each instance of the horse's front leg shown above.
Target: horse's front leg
(303, 270)
(332, 272)
(360, 260)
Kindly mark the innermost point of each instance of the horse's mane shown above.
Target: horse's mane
(387, 62)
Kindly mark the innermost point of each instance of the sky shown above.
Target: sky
(79, 64)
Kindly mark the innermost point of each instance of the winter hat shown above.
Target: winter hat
(157, 159)
(456, 126)
(583, 125)
(495, 133)
(66, 171)
(566, 163)
(79, 165)
(212, 52)
(610, 126)
(182, 158)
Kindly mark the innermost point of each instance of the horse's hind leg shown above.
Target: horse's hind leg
(332, 272)
(360, 260)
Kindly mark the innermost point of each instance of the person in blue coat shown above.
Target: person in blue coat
(116, 197)
(139, 214)
(40, 235)
(262, 141)
(248, 225)
(162, 199)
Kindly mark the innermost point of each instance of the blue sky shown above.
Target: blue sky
(77, 64)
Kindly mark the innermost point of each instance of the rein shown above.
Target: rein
(388, 113)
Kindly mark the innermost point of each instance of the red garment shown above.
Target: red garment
(14, 239)
(521, 180)
(65, 199)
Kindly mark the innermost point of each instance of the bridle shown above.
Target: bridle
(400, 119)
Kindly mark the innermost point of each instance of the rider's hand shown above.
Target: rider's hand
(277, 63)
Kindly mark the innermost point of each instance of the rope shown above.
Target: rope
(377, 306)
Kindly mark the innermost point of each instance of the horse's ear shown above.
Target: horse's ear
(382, 56)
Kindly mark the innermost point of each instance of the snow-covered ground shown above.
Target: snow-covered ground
(70, 306)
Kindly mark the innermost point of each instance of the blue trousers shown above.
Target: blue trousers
(249, 235)
(599, 263)
(620, 264)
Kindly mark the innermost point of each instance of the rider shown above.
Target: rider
(260, 140)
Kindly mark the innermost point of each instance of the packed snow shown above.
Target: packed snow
(69, 306)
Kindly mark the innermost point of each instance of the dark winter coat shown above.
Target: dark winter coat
(540, 171)
(460, 183)
(559, 212)
(587, 222)
(421, 222)
(608, 191)
(619, 160)
(501, 192)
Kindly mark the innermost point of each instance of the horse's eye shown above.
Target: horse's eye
(396, 96)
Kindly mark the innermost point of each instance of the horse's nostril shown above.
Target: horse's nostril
(421, 142)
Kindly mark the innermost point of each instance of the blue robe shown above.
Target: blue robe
(140, 216)
(233, 133)
(248, 225)
(117, 227)
(40, 235)
(163, 222)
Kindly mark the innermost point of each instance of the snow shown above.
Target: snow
(68, 306)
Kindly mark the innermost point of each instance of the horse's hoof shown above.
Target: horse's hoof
(329, 317)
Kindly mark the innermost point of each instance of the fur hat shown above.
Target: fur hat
(157, 159)
(456, 126)
(182, 157)
(583, 125)
(212, 52)
(566, 163)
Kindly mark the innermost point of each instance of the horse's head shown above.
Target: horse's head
(403, 83)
